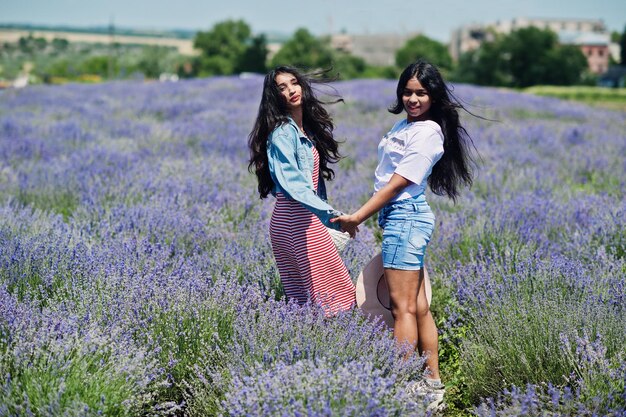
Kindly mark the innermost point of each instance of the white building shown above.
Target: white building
(377, 49)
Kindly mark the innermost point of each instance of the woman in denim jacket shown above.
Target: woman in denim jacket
(291, 146)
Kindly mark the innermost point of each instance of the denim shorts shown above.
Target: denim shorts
(407, 226)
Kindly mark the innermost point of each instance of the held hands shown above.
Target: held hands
(348, 222)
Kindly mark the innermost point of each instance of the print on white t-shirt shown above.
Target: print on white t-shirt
(410, 150)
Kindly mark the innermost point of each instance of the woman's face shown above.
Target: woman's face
(290, 89)
(416, 101)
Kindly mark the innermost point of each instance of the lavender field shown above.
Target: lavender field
(137, 278)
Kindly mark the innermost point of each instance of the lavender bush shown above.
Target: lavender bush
(136, 274)
(317, 388)
(272, 340)
(527, 316)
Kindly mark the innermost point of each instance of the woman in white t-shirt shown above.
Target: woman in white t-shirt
(428, 147)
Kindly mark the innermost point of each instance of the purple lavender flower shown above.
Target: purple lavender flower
(132, 241)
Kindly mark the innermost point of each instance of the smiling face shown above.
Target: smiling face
(416, 101)
(289, 89)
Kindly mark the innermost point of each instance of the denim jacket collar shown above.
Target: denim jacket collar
(300, 132)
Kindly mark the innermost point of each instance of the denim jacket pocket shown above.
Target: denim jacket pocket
(305, 160)
(302, 157)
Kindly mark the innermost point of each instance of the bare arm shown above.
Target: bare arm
(350, 222)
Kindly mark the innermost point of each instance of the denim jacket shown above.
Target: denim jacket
(290, 158)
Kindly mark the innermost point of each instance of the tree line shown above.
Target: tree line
(230, 48)
(59, 60)
(525, 57)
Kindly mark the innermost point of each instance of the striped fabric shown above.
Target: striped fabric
(308, 262)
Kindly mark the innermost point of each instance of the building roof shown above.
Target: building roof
(583, 38)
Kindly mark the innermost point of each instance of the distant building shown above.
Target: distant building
(595, 47)
(555, 25)
(590, 35)
(377, 49)
(468, 38)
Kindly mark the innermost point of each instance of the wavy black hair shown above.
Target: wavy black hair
(273, 112)
(454, 167)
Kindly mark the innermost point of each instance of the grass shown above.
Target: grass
(611, 98)
(62, 202)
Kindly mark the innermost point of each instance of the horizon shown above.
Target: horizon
(189, 32)
(436, 21)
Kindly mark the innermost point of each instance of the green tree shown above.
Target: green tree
(221, 47)
(99, 65)
(535, 58)
(40, 43)
(483, 66)
(8, 48)
(615, 36)
(30, 44)
(622, 45)
(254, 56)
(528, 55)
(348, 66)
(567, 64)
(525, 57)
(63, 67)
(388, 72)
(424, 47)
(304, 50)
(59, 44)
(151, 63)
(25, 44)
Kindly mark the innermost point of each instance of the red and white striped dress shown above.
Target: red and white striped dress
(308, 262)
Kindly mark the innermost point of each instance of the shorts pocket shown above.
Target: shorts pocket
(394, 240)
(420, 234)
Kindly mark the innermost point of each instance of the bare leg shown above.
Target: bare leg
(427, 330)
(403, 287)
(413, 322)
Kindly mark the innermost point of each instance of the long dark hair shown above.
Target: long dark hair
(454, 167)
(273, 112)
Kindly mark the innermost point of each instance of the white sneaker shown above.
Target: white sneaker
(428, 392)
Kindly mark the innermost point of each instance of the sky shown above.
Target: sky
(434, 18)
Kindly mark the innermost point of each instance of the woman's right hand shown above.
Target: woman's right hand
(348, 222)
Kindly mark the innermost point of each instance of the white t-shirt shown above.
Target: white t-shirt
(410, 150)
